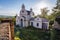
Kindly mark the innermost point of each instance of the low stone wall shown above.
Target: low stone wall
(7, 30)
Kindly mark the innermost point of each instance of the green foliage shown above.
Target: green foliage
(57, 5)
(31, 33)
(55, 34)
(17, 33)
(17, 38)
(58, 20)
(51, 22)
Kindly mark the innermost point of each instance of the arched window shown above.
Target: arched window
(37, 24)
(21, 22)
(22, 11)
(21, 19)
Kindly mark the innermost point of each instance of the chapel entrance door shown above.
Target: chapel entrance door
(44, 26)
(21, 22)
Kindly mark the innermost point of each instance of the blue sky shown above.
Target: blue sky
(12, 7)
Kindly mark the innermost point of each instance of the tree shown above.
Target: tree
(56, 11)
(44, 12)
(57, 8)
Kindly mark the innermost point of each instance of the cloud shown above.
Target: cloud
(8, 12)
(42, 4)
(36, 7)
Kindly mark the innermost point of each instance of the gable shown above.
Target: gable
(38, 19)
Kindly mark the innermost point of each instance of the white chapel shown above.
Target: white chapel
(26, 18)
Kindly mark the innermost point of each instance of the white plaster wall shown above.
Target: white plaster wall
(31, 14)
(25, 23)
(30, 23)
(23, 13)
(35, 24)
(40, 24)
(37, 20)
(28, 17)
(20, 21)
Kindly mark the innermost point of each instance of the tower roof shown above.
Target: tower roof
(23, 6)
(31, 9)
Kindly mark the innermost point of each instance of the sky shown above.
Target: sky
(13, 7)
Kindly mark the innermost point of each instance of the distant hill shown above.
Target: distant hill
(3, 16)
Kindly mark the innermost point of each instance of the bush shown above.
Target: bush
(17, 38)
